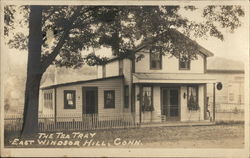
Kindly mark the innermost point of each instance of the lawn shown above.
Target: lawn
(213, 136)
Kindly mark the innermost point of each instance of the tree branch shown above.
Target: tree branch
(154, 39)
(51, 57)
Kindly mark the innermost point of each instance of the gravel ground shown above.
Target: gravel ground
(218, 136)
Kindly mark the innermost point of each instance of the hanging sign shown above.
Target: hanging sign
(219, 86)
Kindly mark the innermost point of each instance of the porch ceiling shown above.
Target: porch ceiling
(172, 78)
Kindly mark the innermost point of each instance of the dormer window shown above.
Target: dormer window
(155, 60)
(184, 63)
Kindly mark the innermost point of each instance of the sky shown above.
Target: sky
(235, 45)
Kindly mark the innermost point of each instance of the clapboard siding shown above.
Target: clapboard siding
(110, 84)
(112, 69)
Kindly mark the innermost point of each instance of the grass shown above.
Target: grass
(220, 135)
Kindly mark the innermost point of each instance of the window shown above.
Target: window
(147, 99)
(192, 93)
(48, 102)
(126, 96)
(109, 99)
(155, 60)
(69, 99)
(184, 63)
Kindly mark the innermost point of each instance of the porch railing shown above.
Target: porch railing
(47, 123)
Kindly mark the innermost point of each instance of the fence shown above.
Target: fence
(229, 116)
(226, 107)
(227, 111)
(48, 123)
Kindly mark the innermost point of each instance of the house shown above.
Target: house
(231, 74)
(155, 89)
(230, 99)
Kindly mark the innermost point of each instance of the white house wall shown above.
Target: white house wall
(111, 84)
(169, 65)
(112, 69)
(236, 81)
(99, 71)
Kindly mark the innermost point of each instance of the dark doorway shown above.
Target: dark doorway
(89, 100)
(170, 103)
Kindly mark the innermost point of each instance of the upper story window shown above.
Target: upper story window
(69, 99)
(155, 60)
(184, 63)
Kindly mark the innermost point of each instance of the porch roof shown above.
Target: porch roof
(172, 78)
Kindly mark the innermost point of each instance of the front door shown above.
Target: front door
(89, 100)
(170, 103)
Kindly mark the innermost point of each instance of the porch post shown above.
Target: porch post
(213, 101)
(140, 107)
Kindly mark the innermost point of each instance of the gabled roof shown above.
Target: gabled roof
(81, 82)
(202, 50)
(225, 64)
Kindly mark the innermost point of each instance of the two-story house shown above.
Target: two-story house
(157, 88)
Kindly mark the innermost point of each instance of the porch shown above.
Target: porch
(171, 97)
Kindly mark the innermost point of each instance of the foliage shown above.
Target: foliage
(124, 29)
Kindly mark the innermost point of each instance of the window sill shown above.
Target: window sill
(155, 69)
(183, 69)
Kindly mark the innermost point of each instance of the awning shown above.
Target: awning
(172, 78)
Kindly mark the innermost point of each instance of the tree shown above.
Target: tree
(124, 29)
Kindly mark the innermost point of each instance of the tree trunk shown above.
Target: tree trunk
(34, 73)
